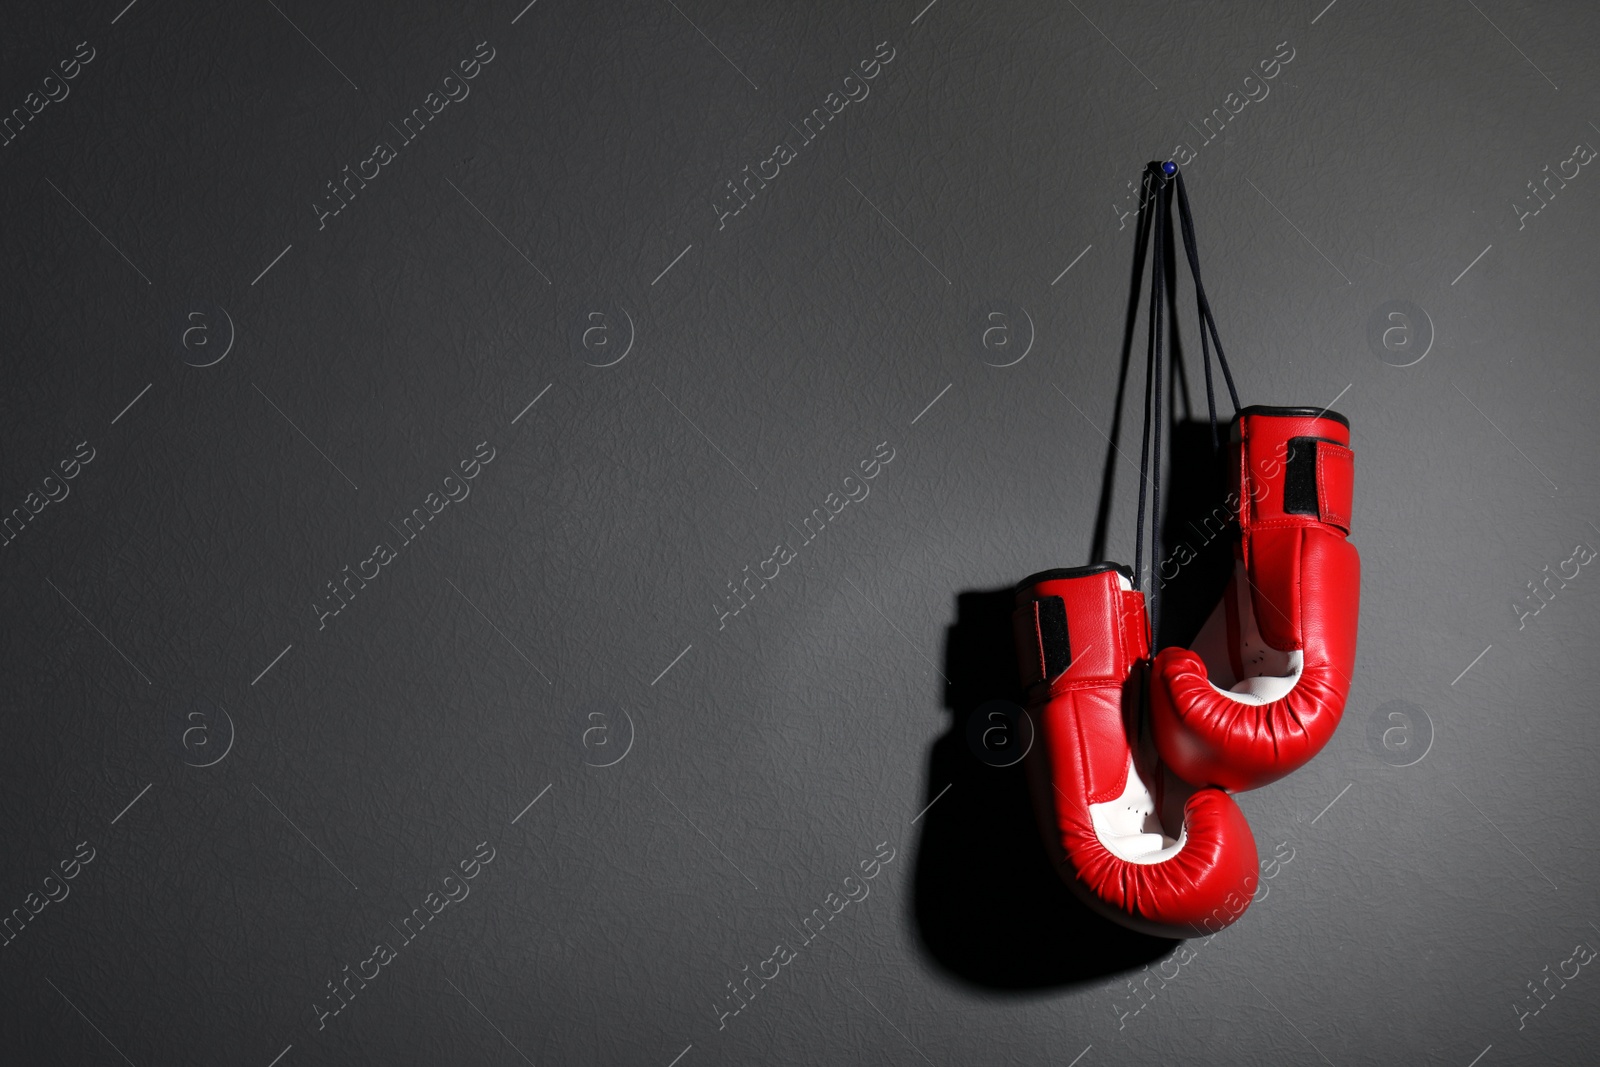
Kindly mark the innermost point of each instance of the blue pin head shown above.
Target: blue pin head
(1169, 168)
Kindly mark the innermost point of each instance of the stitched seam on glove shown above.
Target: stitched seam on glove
(1076, 684)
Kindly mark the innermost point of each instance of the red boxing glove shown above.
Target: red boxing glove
(1108, 819)
(1264, 685)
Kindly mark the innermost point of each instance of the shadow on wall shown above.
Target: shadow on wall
(1197, 538)
(989, 908)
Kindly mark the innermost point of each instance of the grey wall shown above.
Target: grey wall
(267, 788)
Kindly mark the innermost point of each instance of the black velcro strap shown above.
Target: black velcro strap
(1300, 477)
(1051, 614)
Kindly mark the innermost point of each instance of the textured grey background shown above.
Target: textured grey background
(161, 616)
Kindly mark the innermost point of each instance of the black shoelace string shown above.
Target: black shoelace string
(1207, 320)
(1158, 188)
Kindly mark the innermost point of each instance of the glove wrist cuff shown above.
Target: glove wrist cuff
(1108, 635)
(1294, 467)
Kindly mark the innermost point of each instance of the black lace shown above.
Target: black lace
(1157, 196)
(1208, 321)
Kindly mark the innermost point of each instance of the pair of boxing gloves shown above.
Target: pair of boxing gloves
(1137, 811)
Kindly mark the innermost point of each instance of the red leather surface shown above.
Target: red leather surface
(1336, 476)
(1086, 716)
(1305, 590)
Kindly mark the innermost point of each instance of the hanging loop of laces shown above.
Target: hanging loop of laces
(1207, 320)
(1160, 182)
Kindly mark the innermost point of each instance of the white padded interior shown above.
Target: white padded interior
(1268, 673)
(1129, 826)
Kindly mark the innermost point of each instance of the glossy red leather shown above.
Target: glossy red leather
(1087, 718)
(1305, 589)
